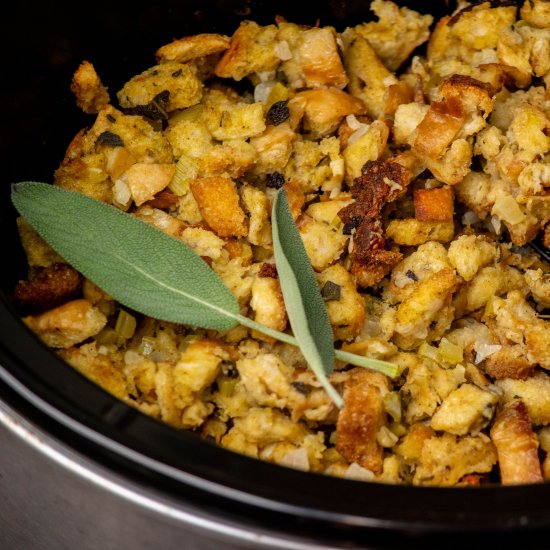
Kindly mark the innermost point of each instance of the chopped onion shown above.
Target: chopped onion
(337, 167)
(121, 192)
(297, 458)
(353, 123)
(355, 471)
(132, 357)
(469, 218)
(282, 49)
(262, 91)
(508, 210)
(358, 133)
(485, 350)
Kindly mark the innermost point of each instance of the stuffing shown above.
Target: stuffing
(86, 85)
(324, 108)
(273, 148)
(145, 180)
(178, 79)
(466, 410)
(68, 324)
(324, 244)
(417, 189)
(218, 203)
(362, 418)
(48, 287)
(397, 32)
(321, 65)
(534, 393)
(427, 384)
(516, 445)
(267, 303)
(469, 253)
(104, 370)
(446, 459)
(413, 232)
(37, 251)
(424, 306)
(434, 205)
(368, 77)
(252, 49)
(345, 306)
(256, 205)
(192, 47)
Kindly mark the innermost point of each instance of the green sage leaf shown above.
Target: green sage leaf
(304, 304)
(141, 267)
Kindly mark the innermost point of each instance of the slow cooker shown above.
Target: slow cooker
(81, 470)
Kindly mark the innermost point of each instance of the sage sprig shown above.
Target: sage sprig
(148, 271)
(303, 301)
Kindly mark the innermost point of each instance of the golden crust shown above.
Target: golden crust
(218, 202)
(190, 47)
(361, 419)
(516, 445)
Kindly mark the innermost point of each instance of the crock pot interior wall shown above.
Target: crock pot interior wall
(43, 43)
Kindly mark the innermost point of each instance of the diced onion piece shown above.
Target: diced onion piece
(148, 345)
(262, 91)
(296, 458)
(352, 122)
(428, 351)
(355, 471)
(485, 350)
(125, 324)
(132, 357)
(449, 352)
(359, 133)
(398, 429)
(469, 218)
(508, 210)
(226, 385)
(121, 193)
(283, 51)
(385, 437)
(337, 167)
(186, 172)
(392, 405)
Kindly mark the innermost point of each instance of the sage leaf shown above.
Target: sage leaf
(139, 265)
(303, 301)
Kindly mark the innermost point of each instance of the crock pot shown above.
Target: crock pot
(78, 468)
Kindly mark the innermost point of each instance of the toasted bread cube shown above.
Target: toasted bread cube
(145, 180)
(516, 445)
(101, 369)
(191, 47)
(321, 63)
(439, 127)
(412, 232)
(325, 108)
(369, 78)
(218, 203)
(347, 312)
(67, 325)
(251, 50)
(398, 31)
(86, 85)
(466, 410)
(184, 86)
(534, 393)
(434, 205)
(361, 419)
(447, 459)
